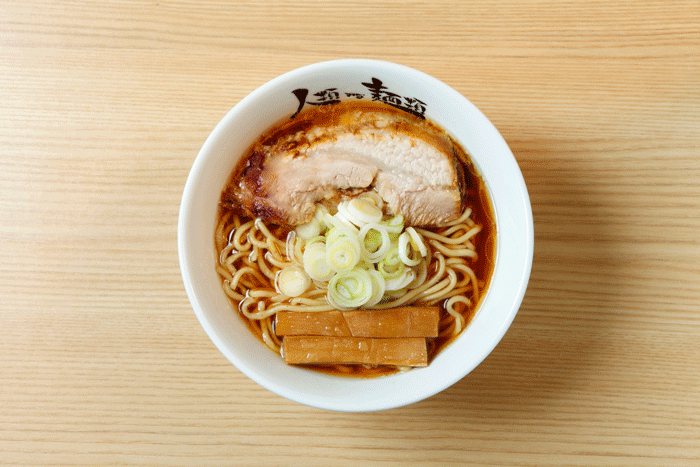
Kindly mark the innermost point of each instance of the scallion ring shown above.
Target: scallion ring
(374, 241)
(350, 289)
(343, 253)
(405, 249)
(292, 281)
(315, 263)
(401, 281)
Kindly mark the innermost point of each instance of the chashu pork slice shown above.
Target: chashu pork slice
(417, 174)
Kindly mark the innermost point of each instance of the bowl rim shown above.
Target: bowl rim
(496, 330)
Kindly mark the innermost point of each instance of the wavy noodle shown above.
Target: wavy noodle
(448, 250)
(448, 240)
(276, 261)
(251, 254)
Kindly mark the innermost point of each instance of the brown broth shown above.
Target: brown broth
(474, 195)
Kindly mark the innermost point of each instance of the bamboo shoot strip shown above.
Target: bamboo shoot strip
(408, 321)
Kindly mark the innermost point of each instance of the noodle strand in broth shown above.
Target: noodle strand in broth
(252, 253)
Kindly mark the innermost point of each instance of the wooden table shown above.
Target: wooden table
(103, 108)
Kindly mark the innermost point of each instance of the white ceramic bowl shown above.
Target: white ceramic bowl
(404, 87)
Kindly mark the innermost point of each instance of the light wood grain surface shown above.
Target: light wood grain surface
(103, 108)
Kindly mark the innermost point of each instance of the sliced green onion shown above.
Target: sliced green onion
(315, 263)
(335, 233)
(374, 241)
(378, 287)
(395, 224)
(345, 216)
(365, 264)
(313, 240)
(404, 247)
(374, 197)
(401, 281)
(339, 222)
(344, 220)
(321, 210)
(363, 211)
(392, 258)
(350, 289)
(343, 253)
(342, 213)
(417, 241)
(391, 266)
(308, 230)
(292, 281)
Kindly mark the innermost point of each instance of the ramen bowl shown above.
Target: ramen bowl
(323, 84)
